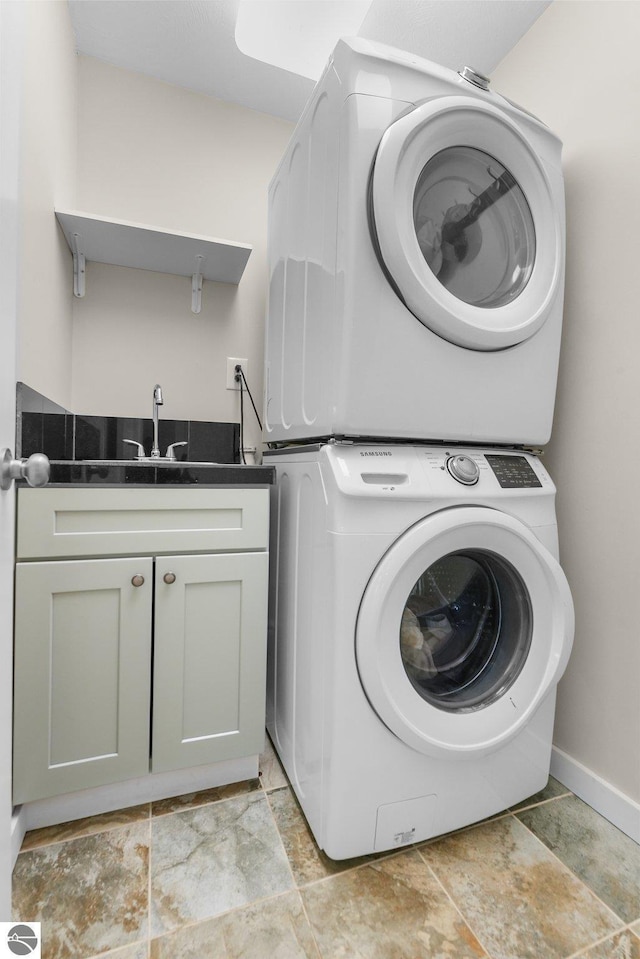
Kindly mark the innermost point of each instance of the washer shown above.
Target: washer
(420, 625)
(416, 246)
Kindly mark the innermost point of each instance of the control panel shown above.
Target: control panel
(408, 472)
(512, 472)
(473, 467)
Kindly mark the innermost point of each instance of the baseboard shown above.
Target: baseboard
(133, 792)
(18, 829)
(614, 805)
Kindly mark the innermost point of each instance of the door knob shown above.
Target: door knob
(169, 578)
(35, 470)
(137, 580)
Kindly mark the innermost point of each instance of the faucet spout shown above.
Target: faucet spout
(157, 401)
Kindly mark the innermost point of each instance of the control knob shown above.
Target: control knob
(474, 76)
(463, 469)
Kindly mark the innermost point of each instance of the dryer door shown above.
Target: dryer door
(466, 224)
(465, 625)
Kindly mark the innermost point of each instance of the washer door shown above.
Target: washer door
(465, 625)
(465, 223)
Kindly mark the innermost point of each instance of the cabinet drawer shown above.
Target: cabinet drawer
(60, 523)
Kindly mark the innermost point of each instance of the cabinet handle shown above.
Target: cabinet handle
(169, 578)
(137, 580)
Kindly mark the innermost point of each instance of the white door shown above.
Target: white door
(466, 223)
(464, 627)
(11, 20)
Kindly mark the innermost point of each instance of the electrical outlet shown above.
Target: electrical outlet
(232, 362)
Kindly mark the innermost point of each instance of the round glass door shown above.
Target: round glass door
(474, 226)
(464, 626)
(466, 630)
(466, 222)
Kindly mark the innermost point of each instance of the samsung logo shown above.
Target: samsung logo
(375, 453)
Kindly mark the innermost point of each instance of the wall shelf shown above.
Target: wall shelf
(144, 247)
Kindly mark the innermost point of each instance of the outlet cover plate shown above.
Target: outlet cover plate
(232, 362)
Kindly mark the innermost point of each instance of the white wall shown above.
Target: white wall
(578, 70)
(48, 169)
(154, 153)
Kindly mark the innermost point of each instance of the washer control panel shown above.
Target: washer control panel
(512, 472)
(484, 470)
(403, 472)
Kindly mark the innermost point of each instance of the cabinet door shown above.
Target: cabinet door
(209, 659)
(82, 675)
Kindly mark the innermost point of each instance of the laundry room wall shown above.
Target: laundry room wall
(48, 179)
(577, 69)
(157, 154)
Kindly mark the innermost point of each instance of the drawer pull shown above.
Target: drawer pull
(137, 580)
(169, 578)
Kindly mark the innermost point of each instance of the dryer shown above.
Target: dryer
(416, 258)
(421, 625)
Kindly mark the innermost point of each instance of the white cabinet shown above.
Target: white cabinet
(82, 679)
(208, 676)
(126, 664)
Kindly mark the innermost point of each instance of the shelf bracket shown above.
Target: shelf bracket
(196, 286)
(79, 268)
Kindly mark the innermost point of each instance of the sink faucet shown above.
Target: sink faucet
(155, 449)
(157, 401)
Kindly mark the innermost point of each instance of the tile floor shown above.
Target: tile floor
(233, 873)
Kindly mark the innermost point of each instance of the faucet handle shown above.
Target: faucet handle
(170, 449)
(140, 451)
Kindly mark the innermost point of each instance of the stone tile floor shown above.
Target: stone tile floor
(233, 873)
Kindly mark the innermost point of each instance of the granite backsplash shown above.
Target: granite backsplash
(44, 427)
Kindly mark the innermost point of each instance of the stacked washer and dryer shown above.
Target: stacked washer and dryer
(420, 618)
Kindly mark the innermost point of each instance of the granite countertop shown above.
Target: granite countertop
(133, 473)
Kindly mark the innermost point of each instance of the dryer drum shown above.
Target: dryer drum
(474, 226)
(466, 630)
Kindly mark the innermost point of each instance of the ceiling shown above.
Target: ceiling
(192, 43)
